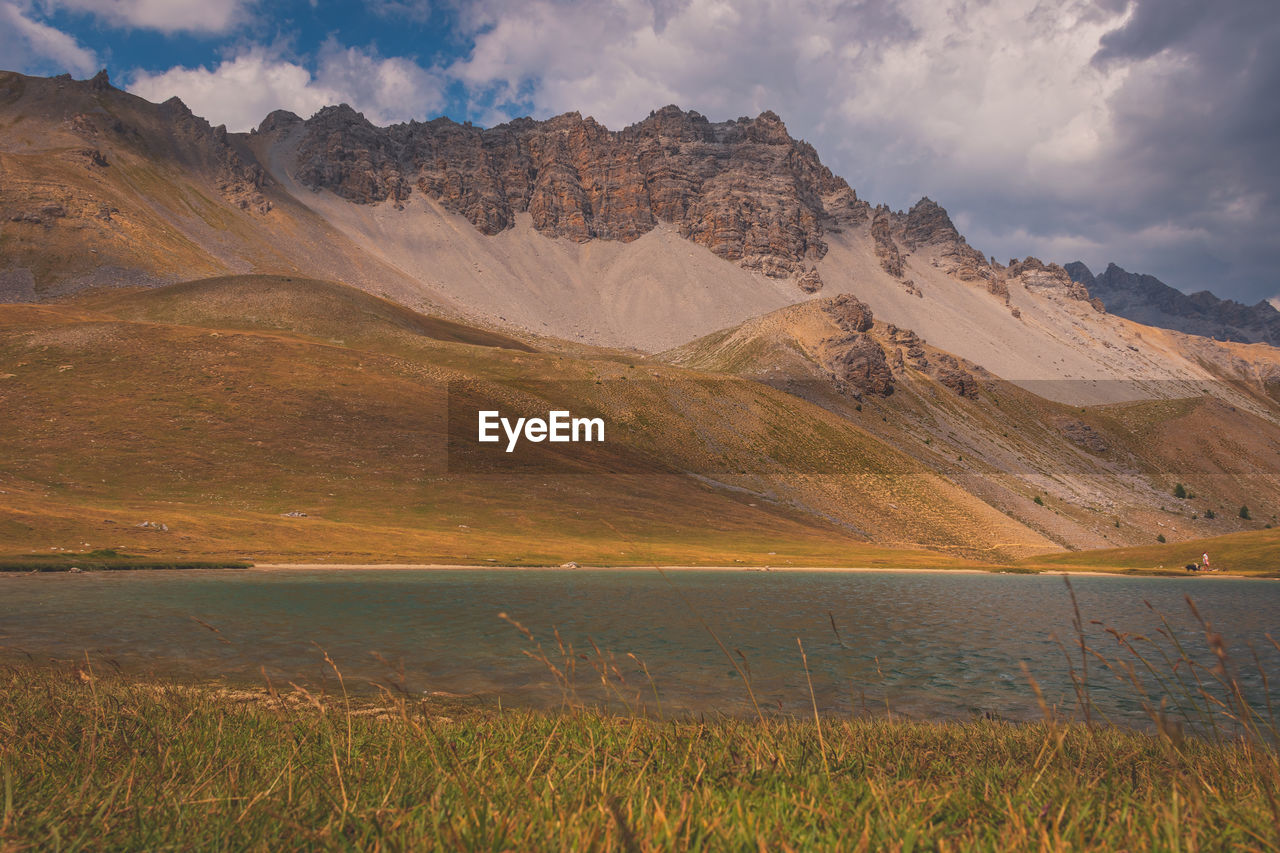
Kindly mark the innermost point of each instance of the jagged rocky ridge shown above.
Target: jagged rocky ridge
(896, 236)
(1146, 299)
(743, 189)
(98, 113)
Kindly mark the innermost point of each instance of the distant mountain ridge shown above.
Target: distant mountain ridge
(1148, 300)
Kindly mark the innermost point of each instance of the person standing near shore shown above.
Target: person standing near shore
(1206, 562)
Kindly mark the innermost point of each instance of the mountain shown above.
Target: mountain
(1146, 299)
(105, 189)
(218, 329)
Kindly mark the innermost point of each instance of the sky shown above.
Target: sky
(1140, 132)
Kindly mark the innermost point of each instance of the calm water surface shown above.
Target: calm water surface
(928, 645)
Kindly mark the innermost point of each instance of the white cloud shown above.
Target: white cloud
(386, 90)
(30, 45)
(240, 92)
(995, 88)
(166, 16)
(417, 11)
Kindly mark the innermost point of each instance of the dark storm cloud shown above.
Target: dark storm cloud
(1157, 25)
(1198, 129)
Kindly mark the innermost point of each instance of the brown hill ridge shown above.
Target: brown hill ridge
(178, 135)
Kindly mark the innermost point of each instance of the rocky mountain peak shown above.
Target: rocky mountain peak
(1080, 273)
(176, 106)
(928, 222)
(105, 117)
(278, 120)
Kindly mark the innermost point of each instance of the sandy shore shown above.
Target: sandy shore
(287, 567)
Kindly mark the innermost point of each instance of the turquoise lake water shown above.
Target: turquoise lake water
(926, 645)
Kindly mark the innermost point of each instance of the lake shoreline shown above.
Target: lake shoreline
(286, 568)
(996, 570)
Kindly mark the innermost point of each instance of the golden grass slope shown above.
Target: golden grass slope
(1252, 552)
(170, 406)
(322, 310)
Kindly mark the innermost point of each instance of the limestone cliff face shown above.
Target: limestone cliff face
(886, 249)
(744, 189)
(850, 313)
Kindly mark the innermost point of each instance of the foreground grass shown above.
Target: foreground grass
(88, 761)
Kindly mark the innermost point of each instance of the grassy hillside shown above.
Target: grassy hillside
(218, 408)
(276, 417)
(1254, 552)
(323, 310)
